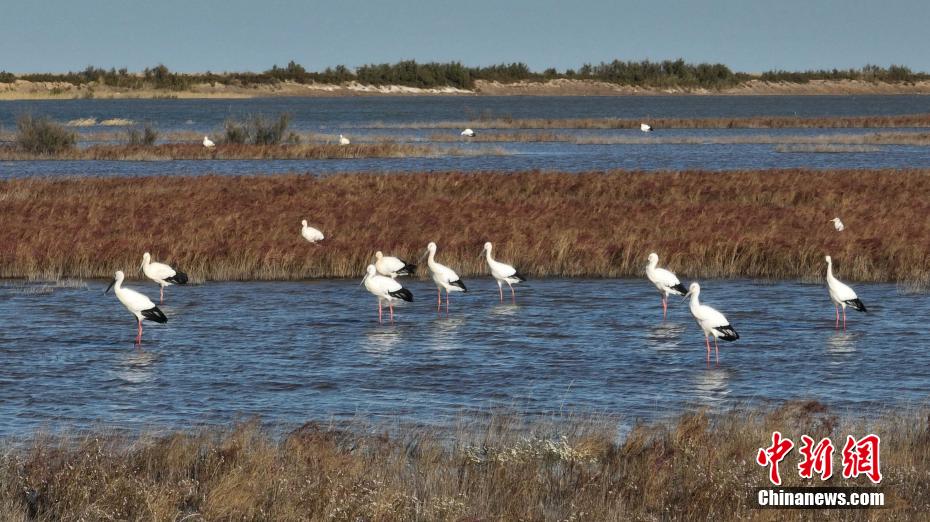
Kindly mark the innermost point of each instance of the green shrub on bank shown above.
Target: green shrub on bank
(257, 130)
(43, 136)
(146, 136)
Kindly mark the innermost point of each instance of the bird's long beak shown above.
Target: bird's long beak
(363, 280)
(113, 282)
(426, 253)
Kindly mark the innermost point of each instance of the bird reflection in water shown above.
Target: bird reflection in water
(137, 366)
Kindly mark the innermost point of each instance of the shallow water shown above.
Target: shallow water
(293, 351)
(363, 118)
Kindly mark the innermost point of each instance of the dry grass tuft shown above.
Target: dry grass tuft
(763, 224)
(696, 467)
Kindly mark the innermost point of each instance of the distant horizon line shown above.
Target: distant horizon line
(505, 63)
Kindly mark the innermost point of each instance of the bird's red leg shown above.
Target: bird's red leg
(664, 306)
(500, 290)
(391, 305)
(161, 296)
(707, 340)
(844, 318)
(447, 301)
(379, 312)
(837, 310)
(513, 295)
(717, 350)
(139, 335)
(438, 299)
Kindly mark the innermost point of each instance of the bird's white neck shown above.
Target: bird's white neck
(487, 253)
(830, 271)
(695, 301)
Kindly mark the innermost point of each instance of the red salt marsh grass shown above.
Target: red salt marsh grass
(764, 224)
(751, 122)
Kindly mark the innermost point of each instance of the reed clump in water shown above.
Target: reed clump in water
(751, 122)
(761, 224)
(696, 467)
(190, 151)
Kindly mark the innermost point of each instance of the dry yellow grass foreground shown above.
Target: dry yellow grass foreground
(698, 467)
(770, 224)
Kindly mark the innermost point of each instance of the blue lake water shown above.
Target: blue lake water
(362, 117)
(292, 351)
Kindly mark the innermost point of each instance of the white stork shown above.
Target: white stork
(665, 281)
(712, 322)
(391, 266)
(162, 274)
(208, 143)
(468, 133)
(138, 305)
(503, 273)
(309, 233)
(444, 277)
(385, 289)
(841, 295)
(838, 225)
(343, 140)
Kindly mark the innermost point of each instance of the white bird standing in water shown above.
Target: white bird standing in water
(841, 295)
(208, 143)
(837, 224)
(385, 289)
(309, 233)
(343, 140)
(391, 266)
(665, 281)
(444, 277)
(162, 274)
(645, 127)
(468, 133)
(138, 305)
(503, 273)
(711, 321)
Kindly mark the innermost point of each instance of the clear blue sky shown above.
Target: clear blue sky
(199, 35)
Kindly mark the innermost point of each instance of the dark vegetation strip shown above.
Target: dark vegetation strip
(663, 74)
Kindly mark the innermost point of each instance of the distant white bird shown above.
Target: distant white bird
(309, 233)
(645, 127)
(208, 143)
(841, 295)
(468, 133)
(138, 305)
(392, 267)
(385, 289)
(837, 224)
(665, 281)
(162, 274)
(343, 140)
(711, 321)
(444, 277)
(503, 273)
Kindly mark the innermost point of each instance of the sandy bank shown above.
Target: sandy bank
(26, 90)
